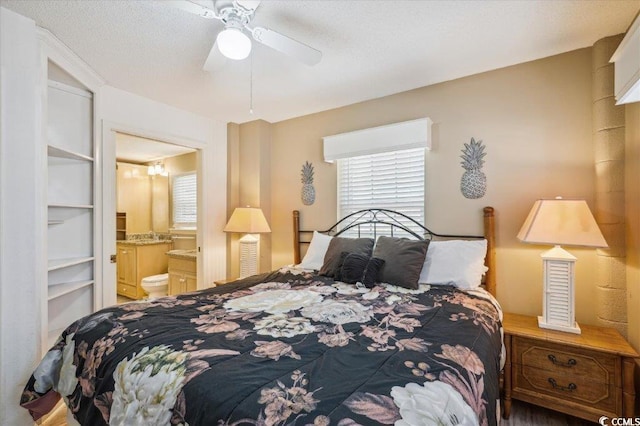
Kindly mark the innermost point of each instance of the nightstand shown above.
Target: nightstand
(586, 375)
(222, 282)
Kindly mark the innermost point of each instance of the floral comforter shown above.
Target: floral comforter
(284, 348)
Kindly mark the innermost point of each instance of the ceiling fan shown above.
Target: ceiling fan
(233, 42)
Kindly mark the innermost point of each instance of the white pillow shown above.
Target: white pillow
(314, 258)
(455, 262)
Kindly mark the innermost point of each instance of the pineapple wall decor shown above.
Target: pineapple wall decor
(474, 182)
(308, 193)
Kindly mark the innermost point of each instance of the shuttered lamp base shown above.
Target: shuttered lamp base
(550, 326)
(248, 255)
(558, 309)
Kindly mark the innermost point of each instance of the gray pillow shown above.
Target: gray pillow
(332, 265)
(403, 260)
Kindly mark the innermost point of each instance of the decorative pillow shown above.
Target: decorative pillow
(338, 275)
(332, 265)
(359, 268)
(353, 267)
(455, 262)
(314, 258)
(403, 260)
(372, 272)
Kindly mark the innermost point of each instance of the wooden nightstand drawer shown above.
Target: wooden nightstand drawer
(576, 363)
(600, 397)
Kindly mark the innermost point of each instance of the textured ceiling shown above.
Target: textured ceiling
(370, 48)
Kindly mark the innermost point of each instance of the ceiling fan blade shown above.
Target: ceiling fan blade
(215, 61)
(194, 8)
(249, 5)
(286, 45)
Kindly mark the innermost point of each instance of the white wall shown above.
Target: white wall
(21, 222)
(125, 111)
(19, 230)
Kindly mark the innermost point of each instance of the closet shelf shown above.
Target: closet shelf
(70, 206)
(55, 222)
(54, 151)
(55, 264)
(58, 290)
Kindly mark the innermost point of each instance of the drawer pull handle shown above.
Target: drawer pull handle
(570, 363)
(571, 387)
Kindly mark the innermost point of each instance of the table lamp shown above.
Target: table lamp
(248, 220)
(560, 222)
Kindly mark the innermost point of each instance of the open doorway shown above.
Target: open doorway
(156, 218)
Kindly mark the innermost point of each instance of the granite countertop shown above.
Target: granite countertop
(143, 242)
(183, 254)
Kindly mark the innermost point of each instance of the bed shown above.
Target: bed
(295, 346)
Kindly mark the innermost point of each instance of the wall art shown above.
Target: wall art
(474, 182)
(308, 193)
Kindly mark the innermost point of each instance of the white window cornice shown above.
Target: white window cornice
(392, 137)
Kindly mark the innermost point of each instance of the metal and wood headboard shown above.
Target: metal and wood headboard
(389, 222)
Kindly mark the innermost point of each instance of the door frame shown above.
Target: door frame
(109, 130)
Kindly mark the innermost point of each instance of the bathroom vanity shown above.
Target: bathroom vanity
(137, 259)
(182, 271)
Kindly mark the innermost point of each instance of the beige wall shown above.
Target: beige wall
(160, 203)
(179, 164)
(133, 196)
(146, 199)
(535, 120)
(233, 195)
(632, 199)
(249, 184)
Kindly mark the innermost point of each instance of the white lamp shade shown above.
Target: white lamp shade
(247, 220)
(233, 43)
(561, 222)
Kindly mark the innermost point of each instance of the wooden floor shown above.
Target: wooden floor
(57, 417)
(522, 414)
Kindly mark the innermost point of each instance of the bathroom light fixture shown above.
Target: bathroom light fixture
(157, 169)
(248, 220)
(233, 43)
(556, 222)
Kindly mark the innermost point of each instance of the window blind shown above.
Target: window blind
(184, 197)
(390, 180)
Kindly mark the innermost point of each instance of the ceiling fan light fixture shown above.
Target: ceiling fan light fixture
(233, 43)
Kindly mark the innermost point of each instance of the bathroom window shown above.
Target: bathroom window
(184, 191)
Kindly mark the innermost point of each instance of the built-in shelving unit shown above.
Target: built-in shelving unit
(70, 206)
(121, 226)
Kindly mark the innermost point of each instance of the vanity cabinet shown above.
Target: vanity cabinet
(137, 260)
(182, 274)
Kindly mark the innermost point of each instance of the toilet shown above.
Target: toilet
(155, 285)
